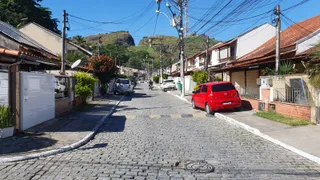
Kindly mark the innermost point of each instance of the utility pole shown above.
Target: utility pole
(99, 45)
(186, 18)
(64, 27)
(181, 37)
(207, 53)
(278, 27)
(161, 68)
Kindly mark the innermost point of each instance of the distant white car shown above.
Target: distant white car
(123, 86)
(168, 85)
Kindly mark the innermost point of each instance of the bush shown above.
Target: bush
(85, 85)
(122, 76)
(156, 79)
(200, 77)
(218, 78)
(6, 117)
(196, 87)
(165, 76)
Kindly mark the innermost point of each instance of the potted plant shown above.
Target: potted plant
(6, 119)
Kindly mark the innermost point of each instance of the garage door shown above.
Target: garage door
(251, 78)
(237, 78)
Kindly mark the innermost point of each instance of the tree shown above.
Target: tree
(79, 40)
(19, 12)
(103, 67)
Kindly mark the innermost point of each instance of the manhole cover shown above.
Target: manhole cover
(199, 167)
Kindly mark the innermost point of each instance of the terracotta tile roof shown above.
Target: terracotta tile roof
(289, 37)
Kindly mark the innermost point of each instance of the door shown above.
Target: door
(203, 95)
(197, 96)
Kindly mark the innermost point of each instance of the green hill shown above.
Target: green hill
(118, 38)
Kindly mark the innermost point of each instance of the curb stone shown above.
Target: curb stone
(260, 134)
(83, 141)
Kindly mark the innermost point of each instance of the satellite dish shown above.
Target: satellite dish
(75, 64)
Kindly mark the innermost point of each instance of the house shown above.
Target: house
(229, 51)
(15, 46)
(50, 39)
(296, 43)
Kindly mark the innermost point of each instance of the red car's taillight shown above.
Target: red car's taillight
(236, 95)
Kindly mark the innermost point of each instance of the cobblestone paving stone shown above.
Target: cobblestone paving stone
(149, 148)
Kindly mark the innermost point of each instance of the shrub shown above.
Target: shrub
(165, 76)
(156, 79)
(196, 87)
(6, 117)
(122, 76)
(85, 85)
(218, 78)
(200, 77)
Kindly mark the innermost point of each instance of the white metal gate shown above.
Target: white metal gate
(37, 98)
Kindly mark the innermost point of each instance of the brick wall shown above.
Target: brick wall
(285, 109)
(265, 95)
(253, 103)
(293, 110)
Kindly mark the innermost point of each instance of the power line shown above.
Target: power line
(93, 21)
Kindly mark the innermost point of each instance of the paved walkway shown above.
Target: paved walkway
(58, 132)
(304, 138)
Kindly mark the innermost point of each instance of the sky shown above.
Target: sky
(139, 16)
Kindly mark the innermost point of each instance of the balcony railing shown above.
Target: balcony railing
(291, 95)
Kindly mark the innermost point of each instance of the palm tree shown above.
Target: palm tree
(79, 40)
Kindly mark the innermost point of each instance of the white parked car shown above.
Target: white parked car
(168, 85)
(123, 86)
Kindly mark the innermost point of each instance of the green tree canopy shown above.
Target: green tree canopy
(19, 12)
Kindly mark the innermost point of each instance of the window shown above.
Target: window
(62, 85)
(123, 81)
(197, 90)
(222, 87)
(204, 89)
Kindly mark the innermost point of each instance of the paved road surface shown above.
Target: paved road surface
(154, 135)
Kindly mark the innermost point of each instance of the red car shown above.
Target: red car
(216, 96)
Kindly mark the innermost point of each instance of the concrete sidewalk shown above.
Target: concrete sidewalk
(59, 132)
(304, 140)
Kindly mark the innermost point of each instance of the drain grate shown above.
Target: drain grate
(199, 167)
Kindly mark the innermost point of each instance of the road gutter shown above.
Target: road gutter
(75, 145)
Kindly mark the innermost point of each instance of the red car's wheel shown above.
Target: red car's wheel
(208, 109)
(193, 105)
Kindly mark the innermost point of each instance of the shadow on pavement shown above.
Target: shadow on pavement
(24, 143)
(60, 131)
(115, 124)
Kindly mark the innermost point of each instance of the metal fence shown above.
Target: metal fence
(291, 95)
(252, 93)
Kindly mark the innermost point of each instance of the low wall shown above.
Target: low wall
(62, 105)
(285, 109)
(293, 110)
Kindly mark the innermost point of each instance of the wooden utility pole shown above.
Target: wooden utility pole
(207, 53)
(278, 27)
(64, 27)
(181, 37)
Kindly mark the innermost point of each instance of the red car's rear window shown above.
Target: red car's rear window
(222, 87)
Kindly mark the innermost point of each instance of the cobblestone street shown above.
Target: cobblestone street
(153, 134)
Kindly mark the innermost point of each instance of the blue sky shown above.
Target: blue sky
(139, 17)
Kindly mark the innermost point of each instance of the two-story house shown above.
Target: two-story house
(227, 52)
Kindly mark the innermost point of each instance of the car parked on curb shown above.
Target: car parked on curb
(216, 96)
(168, 85)
(123, 86)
